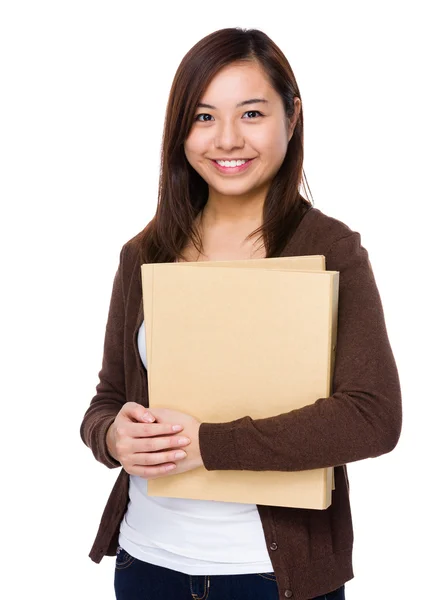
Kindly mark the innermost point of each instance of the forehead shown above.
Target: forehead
(237, 82)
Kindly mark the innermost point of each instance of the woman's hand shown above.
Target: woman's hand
(190, 429)
(150, 450)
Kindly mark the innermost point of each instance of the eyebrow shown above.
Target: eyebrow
(243, 103)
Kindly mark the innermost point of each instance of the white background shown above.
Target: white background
(84, 87)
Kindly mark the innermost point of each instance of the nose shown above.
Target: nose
(228, 136)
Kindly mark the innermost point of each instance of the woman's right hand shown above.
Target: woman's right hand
(137, 444)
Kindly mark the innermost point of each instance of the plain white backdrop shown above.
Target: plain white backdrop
(84, 87)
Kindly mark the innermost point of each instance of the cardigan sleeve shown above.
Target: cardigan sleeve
(363, 416)
(110, 391)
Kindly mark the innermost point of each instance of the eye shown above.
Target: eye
(249, 112)
(203, 115)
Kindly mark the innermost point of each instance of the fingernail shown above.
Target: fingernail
(176, 427)
(170, 467)
(147, 417)
(180, 454)
(183, 441)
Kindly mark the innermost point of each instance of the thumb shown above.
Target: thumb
(139, 413)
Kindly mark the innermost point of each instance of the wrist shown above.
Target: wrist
(199, 445)
(110, 440)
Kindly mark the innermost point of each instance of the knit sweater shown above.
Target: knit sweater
(310, 550)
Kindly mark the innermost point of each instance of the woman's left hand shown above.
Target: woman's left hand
(191, 427)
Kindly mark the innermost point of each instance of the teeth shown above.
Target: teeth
(231, 163)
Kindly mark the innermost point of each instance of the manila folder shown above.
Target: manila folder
(226, 343)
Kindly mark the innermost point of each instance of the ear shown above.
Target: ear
(294, 119)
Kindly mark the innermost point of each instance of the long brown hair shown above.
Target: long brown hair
(183, 193)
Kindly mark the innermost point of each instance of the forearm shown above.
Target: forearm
(96, 432)
(343, 428)
(363, 416)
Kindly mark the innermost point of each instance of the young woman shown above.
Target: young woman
(232, 170)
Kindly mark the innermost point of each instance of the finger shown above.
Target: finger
(156, 444)
(148, 430)
(152, 459)
(152, 472)
(138, 413)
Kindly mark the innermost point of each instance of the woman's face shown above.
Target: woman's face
(240, 117)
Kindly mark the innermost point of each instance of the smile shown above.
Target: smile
(232, 166)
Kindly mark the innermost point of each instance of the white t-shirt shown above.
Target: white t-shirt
(196, 537)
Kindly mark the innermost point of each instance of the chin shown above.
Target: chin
(232, 190)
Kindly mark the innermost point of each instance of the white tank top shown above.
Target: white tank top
(196, 537)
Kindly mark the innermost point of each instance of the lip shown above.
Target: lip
(233, 170)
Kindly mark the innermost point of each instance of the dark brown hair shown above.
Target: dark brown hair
(183, 193)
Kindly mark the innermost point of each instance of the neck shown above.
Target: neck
(233, 210)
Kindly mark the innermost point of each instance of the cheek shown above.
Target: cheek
(195, 145)
(271, 142)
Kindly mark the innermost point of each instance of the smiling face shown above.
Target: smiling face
(240, 117)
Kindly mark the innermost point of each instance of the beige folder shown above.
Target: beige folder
(243, 341)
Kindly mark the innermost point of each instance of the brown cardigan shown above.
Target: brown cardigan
(310, 550)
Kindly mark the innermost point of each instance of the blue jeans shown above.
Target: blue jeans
(135, 579)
